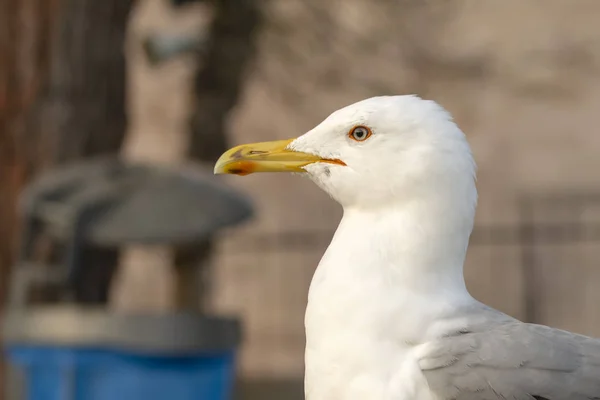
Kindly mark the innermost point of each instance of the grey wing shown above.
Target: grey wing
(514, 360)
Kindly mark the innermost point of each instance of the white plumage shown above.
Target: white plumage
(393, 271)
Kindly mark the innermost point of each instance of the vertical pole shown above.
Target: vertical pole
(528, 259)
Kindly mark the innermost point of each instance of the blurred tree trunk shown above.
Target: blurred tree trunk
(62, 97)
(25, 31)
(82, 112)
(217, 88)
(83, 109)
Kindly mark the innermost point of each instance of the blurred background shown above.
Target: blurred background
(170, 84)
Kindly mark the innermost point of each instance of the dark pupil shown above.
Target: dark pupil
(359, 133)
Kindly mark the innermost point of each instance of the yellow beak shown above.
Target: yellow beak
(266, 157)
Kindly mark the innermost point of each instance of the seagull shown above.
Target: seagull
(389, 316)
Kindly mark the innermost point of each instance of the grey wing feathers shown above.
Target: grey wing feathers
(514, 360)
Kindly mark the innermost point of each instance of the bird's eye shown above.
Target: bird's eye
(360, 133)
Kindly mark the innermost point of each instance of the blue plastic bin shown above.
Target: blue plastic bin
(120, 367)
(88, 374)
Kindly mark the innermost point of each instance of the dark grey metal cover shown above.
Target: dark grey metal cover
(139, 203)
(73, 326)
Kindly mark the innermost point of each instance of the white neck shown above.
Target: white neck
(408, 258)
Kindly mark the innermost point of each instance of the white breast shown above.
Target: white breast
(349, 358)
(368, 319)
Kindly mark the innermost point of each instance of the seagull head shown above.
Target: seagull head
(382, 151)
